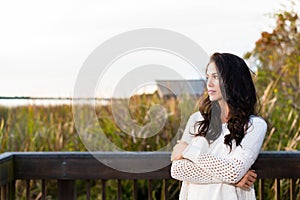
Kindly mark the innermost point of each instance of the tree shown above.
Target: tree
(277, 55)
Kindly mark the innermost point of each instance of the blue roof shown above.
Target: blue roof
(180, 87)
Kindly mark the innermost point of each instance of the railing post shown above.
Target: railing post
(119, 189)
(66, 190)
(277, 189)
(27, 189)
(150, 189)
(165, 187)
(43, 189)
(103, 189)
(135, 189)
(88, 189)
(12, 189)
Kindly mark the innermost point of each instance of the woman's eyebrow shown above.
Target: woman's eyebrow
(215, 73)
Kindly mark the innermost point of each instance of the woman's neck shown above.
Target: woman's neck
(224, 111)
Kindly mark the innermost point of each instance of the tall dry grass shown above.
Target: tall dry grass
(284, 123)
(282, 111)
(52, 128)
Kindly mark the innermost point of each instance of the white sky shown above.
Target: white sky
(43, 44)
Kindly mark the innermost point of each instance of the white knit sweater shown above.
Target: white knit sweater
(209, 172)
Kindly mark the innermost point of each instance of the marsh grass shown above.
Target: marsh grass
(282, 111)
(52, 128)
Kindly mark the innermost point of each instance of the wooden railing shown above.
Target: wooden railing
(68, 167)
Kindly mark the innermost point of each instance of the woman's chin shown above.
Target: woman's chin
(214, 99)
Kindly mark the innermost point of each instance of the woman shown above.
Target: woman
(228, 135)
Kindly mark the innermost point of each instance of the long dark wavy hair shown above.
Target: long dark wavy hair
(238, 91)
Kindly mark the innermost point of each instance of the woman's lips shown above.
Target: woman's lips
(211, 91)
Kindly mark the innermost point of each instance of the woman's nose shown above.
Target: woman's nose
(209, 82)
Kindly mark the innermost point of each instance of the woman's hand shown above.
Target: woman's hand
(178, 150)
(248, 180)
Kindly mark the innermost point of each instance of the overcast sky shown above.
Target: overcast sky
(43, 44)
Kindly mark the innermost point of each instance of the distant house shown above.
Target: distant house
(175, 88)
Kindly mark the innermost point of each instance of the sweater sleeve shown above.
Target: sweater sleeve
(186, 170)
(229, 169)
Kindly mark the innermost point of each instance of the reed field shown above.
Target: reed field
(52, 128)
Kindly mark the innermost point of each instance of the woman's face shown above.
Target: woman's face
(213, 83)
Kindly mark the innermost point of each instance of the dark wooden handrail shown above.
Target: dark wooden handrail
(69, 166)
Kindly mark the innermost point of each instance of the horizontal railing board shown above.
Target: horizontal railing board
(67, 167)
(278, 164)
(75, 165)
(84, 165)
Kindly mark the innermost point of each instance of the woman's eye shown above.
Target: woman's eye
(212, 77)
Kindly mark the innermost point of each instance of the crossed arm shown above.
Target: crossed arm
(205, 172)
(203, 167)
